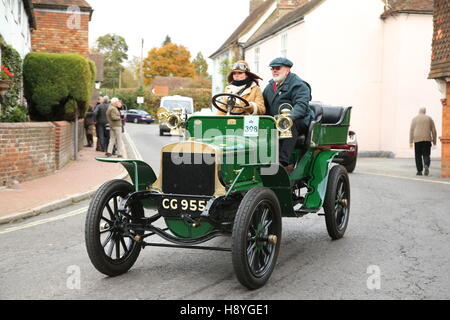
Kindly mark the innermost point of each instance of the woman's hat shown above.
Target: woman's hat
(242, 65)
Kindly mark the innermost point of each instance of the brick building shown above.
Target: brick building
(440, 71)
(62, 26)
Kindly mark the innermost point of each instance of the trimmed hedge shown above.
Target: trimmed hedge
(57, 84)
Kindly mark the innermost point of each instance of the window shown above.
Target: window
(19, 11)
(284, 41)
(257, 51)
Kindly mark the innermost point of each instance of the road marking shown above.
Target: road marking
(133, 147)
(406, 178)
(43, 221)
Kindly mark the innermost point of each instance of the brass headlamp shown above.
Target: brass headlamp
(284, 121)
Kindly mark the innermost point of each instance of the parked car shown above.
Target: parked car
(348, 157)
(139, 116)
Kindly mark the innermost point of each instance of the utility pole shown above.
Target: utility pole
(142, 64)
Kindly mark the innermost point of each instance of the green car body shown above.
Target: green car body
(246, 163)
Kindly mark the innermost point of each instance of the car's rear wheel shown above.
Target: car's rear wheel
(110, 245)
(337, 202)
(135, 120)
(256, 237)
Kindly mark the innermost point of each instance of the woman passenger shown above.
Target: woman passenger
(245, 84)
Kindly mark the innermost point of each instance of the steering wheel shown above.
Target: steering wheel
(231, 103)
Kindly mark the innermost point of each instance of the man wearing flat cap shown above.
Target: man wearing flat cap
(287, 87)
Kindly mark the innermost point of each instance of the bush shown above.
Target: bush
(11, 111)
(57, 85)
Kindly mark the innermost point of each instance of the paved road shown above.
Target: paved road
(399, 229)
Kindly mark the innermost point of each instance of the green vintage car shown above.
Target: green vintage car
(223, 179)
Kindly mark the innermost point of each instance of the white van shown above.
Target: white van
(186, 104)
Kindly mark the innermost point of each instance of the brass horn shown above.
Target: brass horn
(162, 114)
(174, 120)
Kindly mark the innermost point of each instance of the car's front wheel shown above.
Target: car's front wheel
(256, 237)
(110, 244)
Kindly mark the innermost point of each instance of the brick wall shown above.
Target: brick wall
(55, 34)
(445, 139)
(32, 150)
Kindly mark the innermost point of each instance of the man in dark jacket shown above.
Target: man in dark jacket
(101, 122)
(287, 87)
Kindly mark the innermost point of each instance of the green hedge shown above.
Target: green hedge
(56, 85)
(11, 111)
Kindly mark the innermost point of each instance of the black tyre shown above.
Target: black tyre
(337, 202)
(351, 165)
(256, 237)
(111, 249)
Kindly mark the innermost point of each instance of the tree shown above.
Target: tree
(114, 48)
(167, 41)
(201, 66)
(170, 60)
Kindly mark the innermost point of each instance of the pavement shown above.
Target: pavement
(79, 180)
(75, 182)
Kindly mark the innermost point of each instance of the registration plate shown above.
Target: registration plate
(182, 205)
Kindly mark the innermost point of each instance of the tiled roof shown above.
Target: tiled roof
(98, 59)
(246, 25)
(440, 59)
(409, 6)
(280, 24)
(62, 4)
(171, 82)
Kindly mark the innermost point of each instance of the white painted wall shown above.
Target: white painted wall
(407, 56)
(352, 57)
(14, 26)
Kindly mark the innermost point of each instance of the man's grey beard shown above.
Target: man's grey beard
(280, 78)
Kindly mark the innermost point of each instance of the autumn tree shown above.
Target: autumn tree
(170, 60)
(201, 66)
(114, 48)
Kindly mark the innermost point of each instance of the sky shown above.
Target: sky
(200, 25)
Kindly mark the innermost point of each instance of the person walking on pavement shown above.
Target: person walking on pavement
(115, 124)
(422, 133)
(101, 121)
(287, 87)
(89, 127)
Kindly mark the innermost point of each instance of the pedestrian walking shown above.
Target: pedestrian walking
(287, 87)
(422, 133)
(89, 127)
(115, 125)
